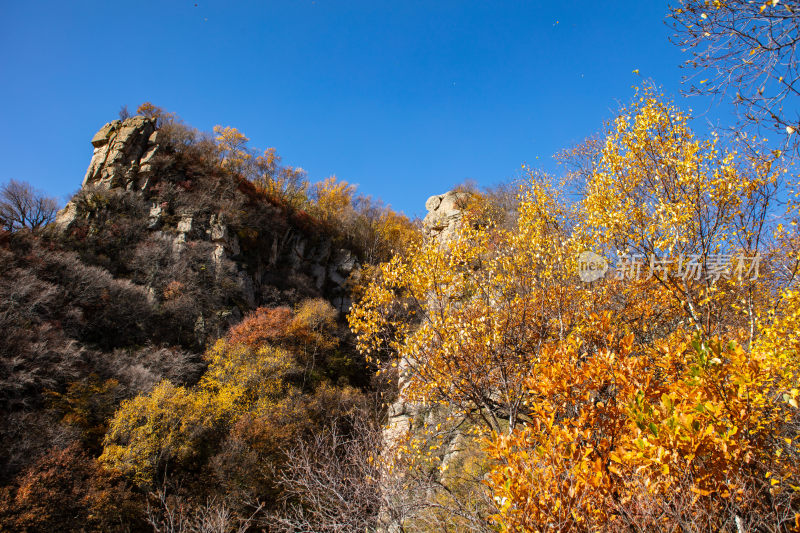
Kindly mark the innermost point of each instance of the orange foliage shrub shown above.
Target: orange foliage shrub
(161, 115)
(173, 290)
(68, 491)
(262, 326)
(311, 323)
(307, 332)
(620, 435)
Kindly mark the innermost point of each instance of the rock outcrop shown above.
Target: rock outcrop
(440, 223)
(123, 153)
(274, 255)
(406, 417)
(444, 214)
(122, 158)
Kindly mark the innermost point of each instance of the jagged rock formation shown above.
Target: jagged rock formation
(444, 214)
(123, 153)
(122, 157)
(265, 250)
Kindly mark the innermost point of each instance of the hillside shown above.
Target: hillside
(179, 253)
(202, 340)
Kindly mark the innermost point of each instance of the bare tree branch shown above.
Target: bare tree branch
(22, 206)
(744, 50)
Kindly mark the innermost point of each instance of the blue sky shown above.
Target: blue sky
(404, 99)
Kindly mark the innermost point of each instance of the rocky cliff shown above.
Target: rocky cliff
(123, 152)
(145, 185)
(133, 293)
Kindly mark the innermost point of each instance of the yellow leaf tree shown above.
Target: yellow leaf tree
(648, 400)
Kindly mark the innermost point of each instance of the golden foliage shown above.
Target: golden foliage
(642, 402)
(251, 384)
(334, 198)
(152, 430)
(232, 146)
(613, 430)
(173, 425)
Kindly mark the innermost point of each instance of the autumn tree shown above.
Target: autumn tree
(658, 191)
(368, 225)
(157, 113)
(233, 150)
(620, 438)
(308, 331)
(66, 490)
(285, 184)
(602, 406)
(334, 199)
(472, 338)
(365, 224)
(262, 326)
(264, 390)
(747, 51)
(172, 426)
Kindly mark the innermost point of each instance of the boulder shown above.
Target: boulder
(444, 213)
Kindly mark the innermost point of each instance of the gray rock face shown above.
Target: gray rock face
(154, 220)
(184, 228)
(123, 157)
(123, 153)
(66, 216)
(220, 234)
(401, 413)
(444, 214)
(185, 224)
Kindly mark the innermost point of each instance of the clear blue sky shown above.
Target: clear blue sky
(404, 98)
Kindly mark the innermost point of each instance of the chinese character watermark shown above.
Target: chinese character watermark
(691, 267)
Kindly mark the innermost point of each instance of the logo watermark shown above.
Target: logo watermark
(591, 266)
(713, 267)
